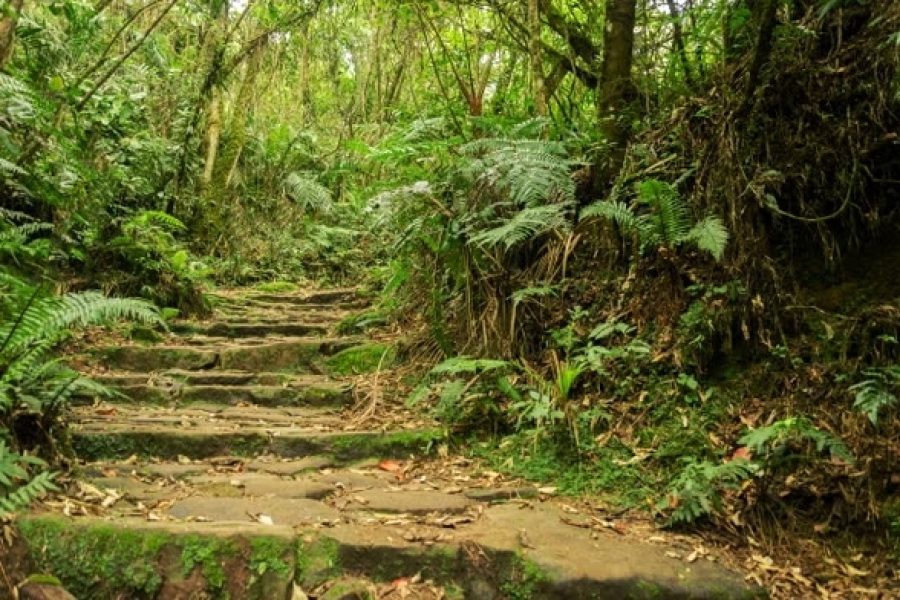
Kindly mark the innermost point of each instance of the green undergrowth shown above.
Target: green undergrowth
(607, 473)
(363, 321)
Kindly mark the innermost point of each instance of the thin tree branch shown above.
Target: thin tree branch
(125, 56)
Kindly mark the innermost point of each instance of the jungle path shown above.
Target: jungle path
(230, 467)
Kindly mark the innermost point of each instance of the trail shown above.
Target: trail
(229, 467)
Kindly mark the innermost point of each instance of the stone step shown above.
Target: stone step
(306, 546)
(206, 415)
(174, 377)
(229, 329)
(171, 393)
(328, 297)
(252, 355)
(281, 311)
(361, 489)
(204, 437)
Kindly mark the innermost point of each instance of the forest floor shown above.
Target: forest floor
(241, 457)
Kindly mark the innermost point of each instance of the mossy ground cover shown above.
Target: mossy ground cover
(361, 359)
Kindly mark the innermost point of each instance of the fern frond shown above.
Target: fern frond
(697, 490)
(45, 319)
(308, 193)
(465, 365)
(154, 218)
(670, 212)
(770, 439)
(24, 495)
(618, 212)
(528, 172)
(709, 235)
(528, 293)
(876, 393)
(525, 225)
(422, 130)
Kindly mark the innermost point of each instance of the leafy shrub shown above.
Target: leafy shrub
(35, 387)
(698, 489)
(877, 393)
(792, 440)
(148, 261)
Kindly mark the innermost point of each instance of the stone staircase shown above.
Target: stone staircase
(228, 467)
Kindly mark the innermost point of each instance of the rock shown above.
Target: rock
(283, 511)
(33, 590)
(408, 501)
(290, 467)
(499, 494)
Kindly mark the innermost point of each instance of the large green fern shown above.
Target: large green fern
(667, 221)
(35, 387)
(18, 487)
(528, 172)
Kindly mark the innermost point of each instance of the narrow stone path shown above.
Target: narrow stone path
(228, 468)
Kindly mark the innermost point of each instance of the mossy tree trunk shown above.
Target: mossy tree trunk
(616, 89)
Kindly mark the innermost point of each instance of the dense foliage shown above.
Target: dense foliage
(652, 244)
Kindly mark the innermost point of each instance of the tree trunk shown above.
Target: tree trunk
(213, 134)
(534, 51)
(305, 99)
(615, 91)
(8, 31)
(765, 36)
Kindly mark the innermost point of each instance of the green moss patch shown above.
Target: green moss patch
(274, 287)
(101, 561)
(357, 360)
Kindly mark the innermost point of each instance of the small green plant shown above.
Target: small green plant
(789, 440)
(667, 224)
(699, 488)
(152, 263)
(877, 393)
(470, 392)
(19, 486)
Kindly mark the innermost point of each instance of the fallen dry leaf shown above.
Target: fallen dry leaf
(391, 466)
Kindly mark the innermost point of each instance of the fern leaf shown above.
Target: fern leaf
(525, 225)
(618, 212)
(670, 212)
(464, 365)
(308, 193)
(709, 235)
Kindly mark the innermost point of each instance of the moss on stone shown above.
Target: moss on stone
(97, 561)
(274, 287)
(366, 358)
(100, 561)
(522, 578)
(98, 446)
(402, 443)
(317, 559)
